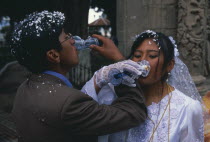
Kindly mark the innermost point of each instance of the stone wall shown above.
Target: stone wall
(135, 16)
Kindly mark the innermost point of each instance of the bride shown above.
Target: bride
(173, 103)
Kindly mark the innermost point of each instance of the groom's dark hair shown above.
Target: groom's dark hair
(34, 36)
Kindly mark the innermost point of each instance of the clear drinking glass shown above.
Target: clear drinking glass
(82, 44)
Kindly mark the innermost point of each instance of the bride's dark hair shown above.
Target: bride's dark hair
(163, 42)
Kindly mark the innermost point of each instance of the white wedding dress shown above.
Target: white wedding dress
(186, 118)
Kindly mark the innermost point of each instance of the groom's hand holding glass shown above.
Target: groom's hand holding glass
(108, 49)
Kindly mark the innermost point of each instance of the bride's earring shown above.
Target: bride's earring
(168, 76)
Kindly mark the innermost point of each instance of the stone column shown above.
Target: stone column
(192, 36)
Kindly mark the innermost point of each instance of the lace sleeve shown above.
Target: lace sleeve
(194, 131)
(181, 79)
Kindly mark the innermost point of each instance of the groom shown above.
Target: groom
(47, 108)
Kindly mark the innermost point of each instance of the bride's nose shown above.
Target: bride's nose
(143, 57)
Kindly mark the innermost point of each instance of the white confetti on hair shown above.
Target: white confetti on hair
(35, 19)
(150, 43)
(36, 25)
(153, 33)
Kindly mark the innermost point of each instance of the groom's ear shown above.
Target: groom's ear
(170, 65)
(53, 56)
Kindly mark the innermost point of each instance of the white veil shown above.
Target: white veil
(180, 77)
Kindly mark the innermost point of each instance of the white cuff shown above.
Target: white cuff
(89, 89)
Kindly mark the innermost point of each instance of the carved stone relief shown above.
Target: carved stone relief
(192, 35)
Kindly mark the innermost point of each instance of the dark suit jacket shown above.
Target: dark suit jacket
(46, 110)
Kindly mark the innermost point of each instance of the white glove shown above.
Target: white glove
(106, 74)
